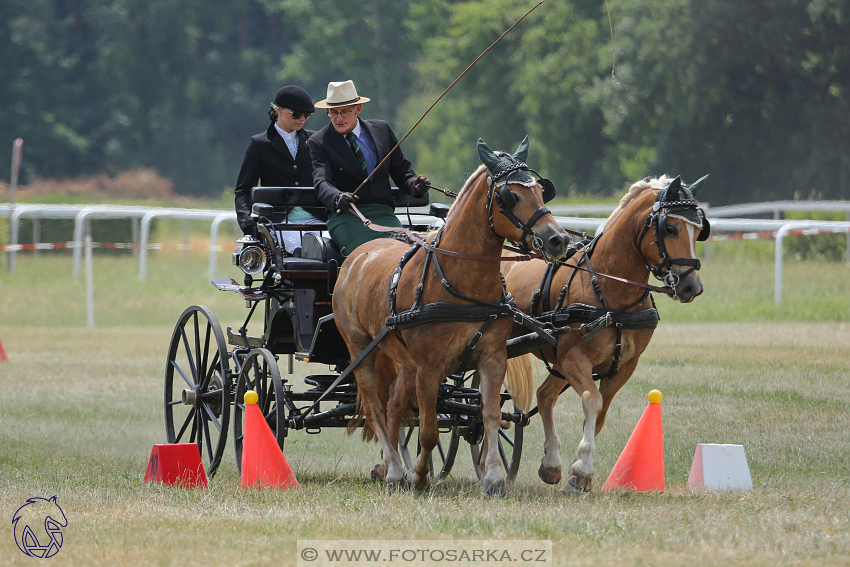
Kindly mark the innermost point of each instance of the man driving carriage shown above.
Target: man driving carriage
(345, 153)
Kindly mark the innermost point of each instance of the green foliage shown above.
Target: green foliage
(755, 93)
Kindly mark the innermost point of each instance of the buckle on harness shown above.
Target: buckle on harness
(589, 330)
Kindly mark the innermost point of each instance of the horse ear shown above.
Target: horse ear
(521, 153)
(672, 192)
(487, 156)
(697, 185)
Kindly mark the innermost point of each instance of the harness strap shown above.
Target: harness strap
(463, 359)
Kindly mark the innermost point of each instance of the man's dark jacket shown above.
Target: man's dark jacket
(335, 169)
(267, 162)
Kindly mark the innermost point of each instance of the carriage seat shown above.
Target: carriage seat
(317, 247)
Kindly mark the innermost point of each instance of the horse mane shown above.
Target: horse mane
(471, 181)
(634, 191)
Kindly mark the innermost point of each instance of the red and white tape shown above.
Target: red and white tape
(111, 245)
(221, 248)
(772, 234)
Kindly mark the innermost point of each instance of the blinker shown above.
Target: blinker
(661, 225)
(548, 189)
(705, 231)
(508, 197)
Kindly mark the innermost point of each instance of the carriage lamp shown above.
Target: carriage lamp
(249, 257)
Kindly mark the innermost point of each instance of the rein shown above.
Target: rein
(415, 238)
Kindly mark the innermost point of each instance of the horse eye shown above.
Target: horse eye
(673, 230)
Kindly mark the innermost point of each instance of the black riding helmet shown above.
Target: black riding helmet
(293, 98)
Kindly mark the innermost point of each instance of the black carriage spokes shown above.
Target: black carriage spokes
(197, 392)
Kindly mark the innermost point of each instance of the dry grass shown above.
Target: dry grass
(82, 408)
(136, 184)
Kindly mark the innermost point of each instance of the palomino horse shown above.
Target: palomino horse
(653, 230)
(445, 306)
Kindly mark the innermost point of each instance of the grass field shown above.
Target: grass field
(82, 408)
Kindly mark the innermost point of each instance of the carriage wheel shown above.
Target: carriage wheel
(197, 385)
(445, 451)
(261, 374)
(510, 447)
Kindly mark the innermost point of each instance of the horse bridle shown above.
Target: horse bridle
(506, 200)
(657, 219)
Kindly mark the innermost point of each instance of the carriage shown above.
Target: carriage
(597, 331)
(210, 368)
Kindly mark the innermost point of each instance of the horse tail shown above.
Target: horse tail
(519, 380)
(386, 371)
(358, 419)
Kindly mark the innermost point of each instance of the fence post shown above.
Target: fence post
(89, 283)
(36, 233)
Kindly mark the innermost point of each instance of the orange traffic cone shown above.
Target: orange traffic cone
(263, 462)
(640, 467)
(2, 353)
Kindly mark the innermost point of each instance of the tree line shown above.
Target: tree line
(755, 93)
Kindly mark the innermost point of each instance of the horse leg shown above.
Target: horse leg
(367, 382)
(550, 466)
(580, 476)
(609, 388)
(427, 387)
(492, 373)
(400, 401)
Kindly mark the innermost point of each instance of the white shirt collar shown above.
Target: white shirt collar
(357, 129)
(289, 138)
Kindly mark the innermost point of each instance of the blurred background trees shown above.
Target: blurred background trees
(755, 93)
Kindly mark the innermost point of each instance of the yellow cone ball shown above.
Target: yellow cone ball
(251, 397)
(654, 397)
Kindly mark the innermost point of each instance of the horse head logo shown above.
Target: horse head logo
(38, 527)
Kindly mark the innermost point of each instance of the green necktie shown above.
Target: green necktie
(358, 153)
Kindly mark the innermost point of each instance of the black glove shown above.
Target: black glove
(419, 186)
(343, 202)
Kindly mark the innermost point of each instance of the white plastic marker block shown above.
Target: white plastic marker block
(720, 467)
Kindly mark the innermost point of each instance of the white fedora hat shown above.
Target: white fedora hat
(341, 94)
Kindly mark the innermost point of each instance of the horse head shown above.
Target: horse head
(519, 196)
(677, 223)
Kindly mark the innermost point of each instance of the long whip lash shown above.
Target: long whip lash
(613, 53)
(444, 94)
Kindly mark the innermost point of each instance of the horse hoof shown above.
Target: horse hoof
(378, 473)
(549, 475)
(400, 485)
(495, 489)
(578, 484)
(415, 480)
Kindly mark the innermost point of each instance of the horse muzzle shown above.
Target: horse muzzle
(686, 288)
(551, 241)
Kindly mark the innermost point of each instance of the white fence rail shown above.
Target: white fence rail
(83, 214)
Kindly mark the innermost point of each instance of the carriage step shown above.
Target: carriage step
(237, 340)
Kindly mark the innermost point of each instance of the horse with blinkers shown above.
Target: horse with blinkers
(599, 302)
(440, 306)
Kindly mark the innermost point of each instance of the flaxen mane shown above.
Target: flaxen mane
(473, 179)
(636, 189)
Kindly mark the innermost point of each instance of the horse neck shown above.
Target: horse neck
(618, 254)
(467, 231)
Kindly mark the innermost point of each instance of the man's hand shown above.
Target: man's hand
(419, 186)
(343, 202)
